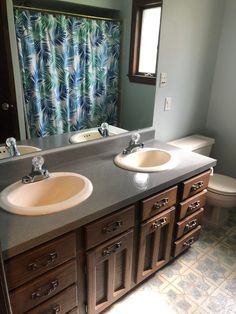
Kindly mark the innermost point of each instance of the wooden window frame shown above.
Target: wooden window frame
(136, 24)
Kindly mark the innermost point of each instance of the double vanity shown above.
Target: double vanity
(82, 259)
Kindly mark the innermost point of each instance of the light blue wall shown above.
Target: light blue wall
(188, 48)
(221, 121)
(137, 100)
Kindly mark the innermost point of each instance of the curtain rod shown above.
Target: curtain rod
(64, 13)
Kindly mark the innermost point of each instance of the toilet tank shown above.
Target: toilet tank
(195, 143)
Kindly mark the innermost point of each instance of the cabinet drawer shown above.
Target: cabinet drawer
(37, 261)
(62, 303)
(195, 184)
(189, 223)
(41, 289)
(159, 202)
(109, 226)
(192, 204)
(186, 241)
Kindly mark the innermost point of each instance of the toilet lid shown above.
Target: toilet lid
(222, 184)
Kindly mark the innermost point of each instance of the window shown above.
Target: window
(146, 18)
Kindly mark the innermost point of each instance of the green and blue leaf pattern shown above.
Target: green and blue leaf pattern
(70, 71)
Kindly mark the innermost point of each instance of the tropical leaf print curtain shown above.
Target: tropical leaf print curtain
(70, 71)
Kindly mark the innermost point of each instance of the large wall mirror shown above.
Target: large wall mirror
(135, 100)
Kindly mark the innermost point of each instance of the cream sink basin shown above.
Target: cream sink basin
(23, 149)
(86, 136)
(62, 190)
(93, 134)
(146, 160)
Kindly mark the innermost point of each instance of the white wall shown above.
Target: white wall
(221, 121)
(188, 48)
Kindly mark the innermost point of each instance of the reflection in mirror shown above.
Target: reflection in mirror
(5, 152)
(141, 180)
(71, 71)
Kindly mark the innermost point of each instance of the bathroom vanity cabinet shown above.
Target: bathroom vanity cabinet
(5, 307)
(89, 268)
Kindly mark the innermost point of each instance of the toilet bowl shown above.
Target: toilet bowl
(221, 193)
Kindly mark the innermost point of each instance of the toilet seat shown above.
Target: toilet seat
(222, 185)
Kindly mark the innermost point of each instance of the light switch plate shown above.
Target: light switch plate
(168, 104)
(163, 79)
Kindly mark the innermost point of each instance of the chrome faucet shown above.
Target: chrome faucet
(103, 129)
(11, 147)
(134, 143)
(37, 172)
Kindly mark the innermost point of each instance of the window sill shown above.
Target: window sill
(142, 79)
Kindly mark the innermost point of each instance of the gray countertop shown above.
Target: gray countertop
(113, 188)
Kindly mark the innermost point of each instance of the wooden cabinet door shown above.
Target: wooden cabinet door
(155, 243)
(109, 272)
(5, 307)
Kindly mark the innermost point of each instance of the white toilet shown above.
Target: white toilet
(221, 190)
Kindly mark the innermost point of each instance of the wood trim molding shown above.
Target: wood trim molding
(137, 8)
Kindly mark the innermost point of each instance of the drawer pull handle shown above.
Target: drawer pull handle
(188, 243)
(196, 186)
(190, 225)
(43, 262)
(161, 203)
(111, 249)
(45, 291)
(54, 310)
(112, 227)
(159, 223)
(193, 206)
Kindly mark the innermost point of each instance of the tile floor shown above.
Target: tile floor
(202, 280)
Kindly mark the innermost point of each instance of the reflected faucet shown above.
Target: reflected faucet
(134, 143)
(11, 147)
(103, 129)
(37, 173)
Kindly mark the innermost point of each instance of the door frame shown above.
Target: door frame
(9, 66)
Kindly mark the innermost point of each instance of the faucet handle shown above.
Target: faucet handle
(10, 141)
(104, 126)
(37, 162)
(135, 137)
(37, 172)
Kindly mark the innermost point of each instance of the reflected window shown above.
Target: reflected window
(145, 29)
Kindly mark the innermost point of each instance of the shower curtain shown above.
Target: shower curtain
(70, 71)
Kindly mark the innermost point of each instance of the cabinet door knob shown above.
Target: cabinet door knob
(5, 106)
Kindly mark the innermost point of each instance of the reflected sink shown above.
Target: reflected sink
(23, 149)
(146, 160)
(93, 134)
(87, 136)
(62, 190)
